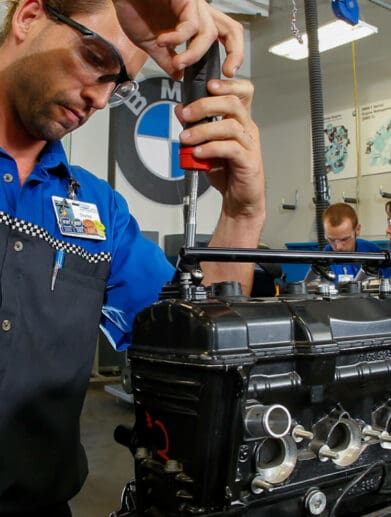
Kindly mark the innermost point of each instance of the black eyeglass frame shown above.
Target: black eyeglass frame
(118, 79)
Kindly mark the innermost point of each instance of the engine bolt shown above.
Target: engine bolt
(315, 502)
(368, 431)
(141, 453)
(172, 466)
(299, 433)
(326, 452)
(258, 483)
(385, 437)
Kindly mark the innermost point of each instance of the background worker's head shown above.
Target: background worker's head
(341, 227)
(60, 61)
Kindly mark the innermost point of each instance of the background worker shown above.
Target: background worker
(342, 230)
(60, 61)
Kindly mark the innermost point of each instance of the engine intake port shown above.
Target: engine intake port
(339, 437)
(275, 459)
(342, 437)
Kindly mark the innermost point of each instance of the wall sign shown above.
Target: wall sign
(340, 144)
(376, 137)
(144, 138)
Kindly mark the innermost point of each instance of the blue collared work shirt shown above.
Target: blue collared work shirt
(138, 267)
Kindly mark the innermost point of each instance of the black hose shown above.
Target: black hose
(321, 188)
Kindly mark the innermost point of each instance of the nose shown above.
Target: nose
(98, 94)
(338, 246)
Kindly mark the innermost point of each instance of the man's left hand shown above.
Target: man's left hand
(159, 26)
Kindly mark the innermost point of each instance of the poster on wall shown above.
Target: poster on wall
(375, 120)
(340, 145)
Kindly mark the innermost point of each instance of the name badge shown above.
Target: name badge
(78, 219)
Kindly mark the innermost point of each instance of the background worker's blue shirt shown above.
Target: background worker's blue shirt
(352, 269)
(138, 268)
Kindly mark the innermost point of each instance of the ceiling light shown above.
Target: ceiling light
(252, 7)
(331, 35)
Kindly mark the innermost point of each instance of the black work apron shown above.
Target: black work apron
(47, 346)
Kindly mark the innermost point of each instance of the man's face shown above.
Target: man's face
(342, 237)
(56, 85)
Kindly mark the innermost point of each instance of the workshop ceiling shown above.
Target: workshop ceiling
(252, 7)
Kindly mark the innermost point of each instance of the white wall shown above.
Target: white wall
(282, 108)
(89, 145)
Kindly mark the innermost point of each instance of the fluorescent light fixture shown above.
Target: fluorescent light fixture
(251, 7)
(331, 35)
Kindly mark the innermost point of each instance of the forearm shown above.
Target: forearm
(234, 233)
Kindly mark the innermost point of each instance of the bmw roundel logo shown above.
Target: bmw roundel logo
(147, 141)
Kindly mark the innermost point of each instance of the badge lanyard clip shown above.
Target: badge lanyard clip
(73, 187)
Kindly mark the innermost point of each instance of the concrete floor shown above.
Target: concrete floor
(110, 464)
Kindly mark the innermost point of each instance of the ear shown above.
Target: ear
(358, 230)
(26, 14)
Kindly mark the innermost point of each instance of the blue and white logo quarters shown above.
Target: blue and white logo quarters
(146, 141)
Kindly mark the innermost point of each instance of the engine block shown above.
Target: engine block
(263, 407)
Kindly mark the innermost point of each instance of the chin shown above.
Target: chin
(55, 131)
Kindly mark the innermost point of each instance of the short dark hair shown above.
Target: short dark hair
(67, 7)
(387, 208)
(336, 214)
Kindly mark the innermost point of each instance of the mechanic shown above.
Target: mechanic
(342, 230)
(60, 61)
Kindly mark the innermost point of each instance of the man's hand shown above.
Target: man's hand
(159, 26)
(232, 142)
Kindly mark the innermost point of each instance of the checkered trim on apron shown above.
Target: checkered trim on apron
(37, 231)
